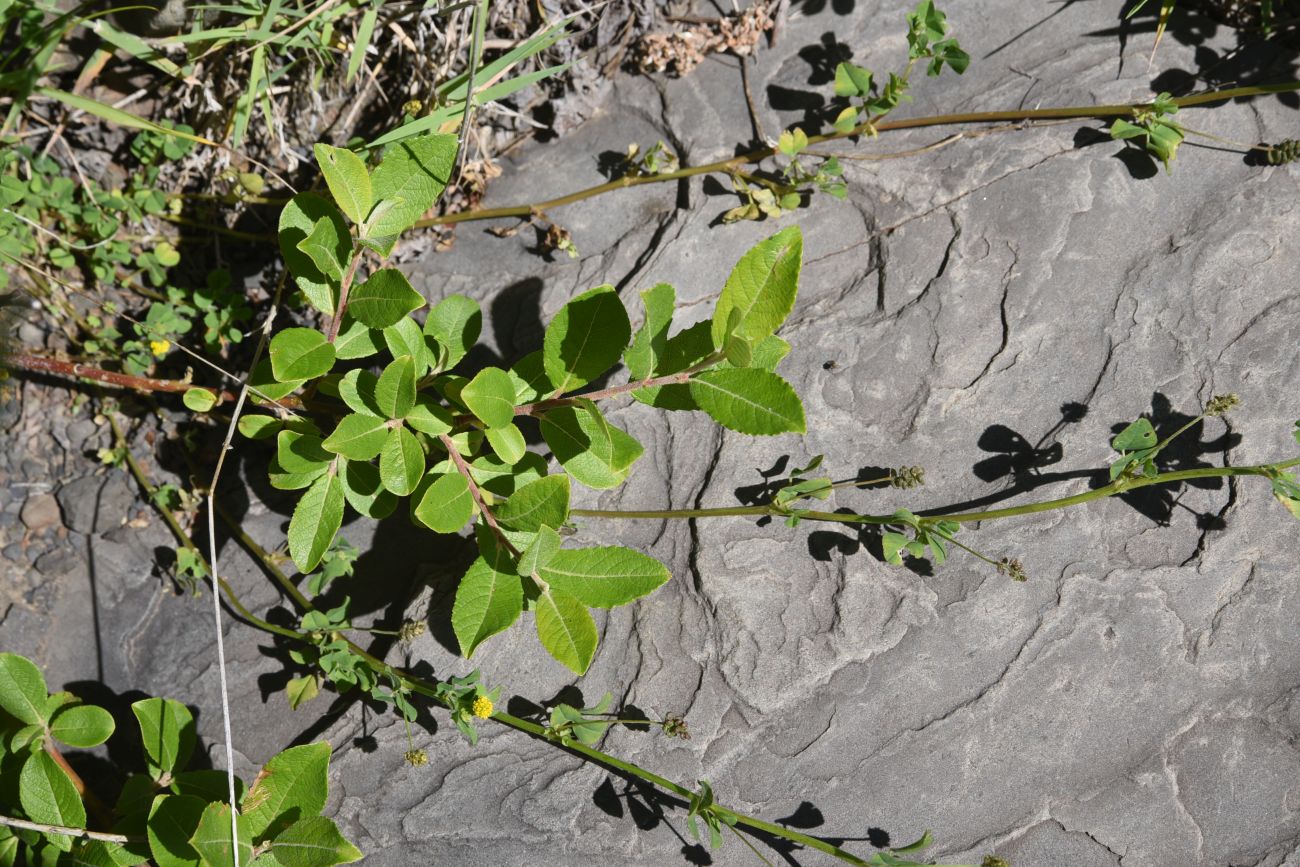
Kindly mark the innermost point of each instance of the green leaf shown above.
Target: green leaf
(585, 339)
(395, 390)
(301, 690)
(364, 491)
(259, 427)
(81, 725)
(313, 841)
(738, 350)
(300, 353)
(167, 733)
(566, 629)
(684, 349)
(348, 180)
(173, 819)
(495, 475)
(530, 379)
(267, 385)
(543, 503)
(298, 219)
(301, 454)
(322, 245)
(411, 176)
(1138, 435)
(604, 577)
(488, 600)
(405, 338)
(199, 399)
(508, 442)
(357, 389)
(428, 417)
(446, 504)
(593, 451)
(211, 839)
(384, 299)
(846, 120)
(356, 340)
(316, 520)
(1122, 129)
(455, 322)
(642, 357)
(851, 80)
(22, 689)
(490, 395)
(893, 544)
(210, 784)
(291, 786)
(358, 437)
(540, 552)
(401, 462)
(761, 287)
(751, 401)
(49, 797)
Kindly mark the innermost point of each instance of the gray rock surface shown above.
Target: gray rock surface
(1137, 702)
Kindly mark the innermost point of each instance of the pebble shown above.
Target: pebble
(40, 512)
(31, 334)
(14, 553)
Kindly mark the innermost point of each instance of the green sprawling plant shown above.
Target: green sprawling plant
(164, 815)
(449, 443)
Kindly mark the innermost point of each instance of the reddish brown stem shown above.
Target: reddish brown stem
(463, 469)
(78, 370)
(679, 378)
(344, 287)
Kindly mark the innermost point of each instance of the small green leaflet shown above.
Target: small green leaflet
(302, 454)
(348, 180)
(543, 548)
(593, 451)
(357, 388)
(684, 349)
(199, 399)
(428, 416)
(300, 353)
(508, 442)
(364, 491)
(316, 520)
(1138, 435)
(298, 219)
(167, 732)
(642, 357)
(173, 819)
(750, 400)
(566, 630)
(490, 396)
(405, 338)
(488, 601)
(542, 503)
(851, 80)
(401, 462)
(22, 689)
(356, 340)
(604, 577)
(49, 797)
(455, 322)
(211, 839)
(358, 437)
(395, 390)
(81, 725)
(761, 288)
(294, 784)
(321, 245)
(301, 690)
(446, 504)
(585, 339)
(313, 841)
(411, 176)
(384, 299)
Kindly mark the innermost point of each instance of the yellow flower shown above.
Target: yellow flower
(159, 347)
(482, 707)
